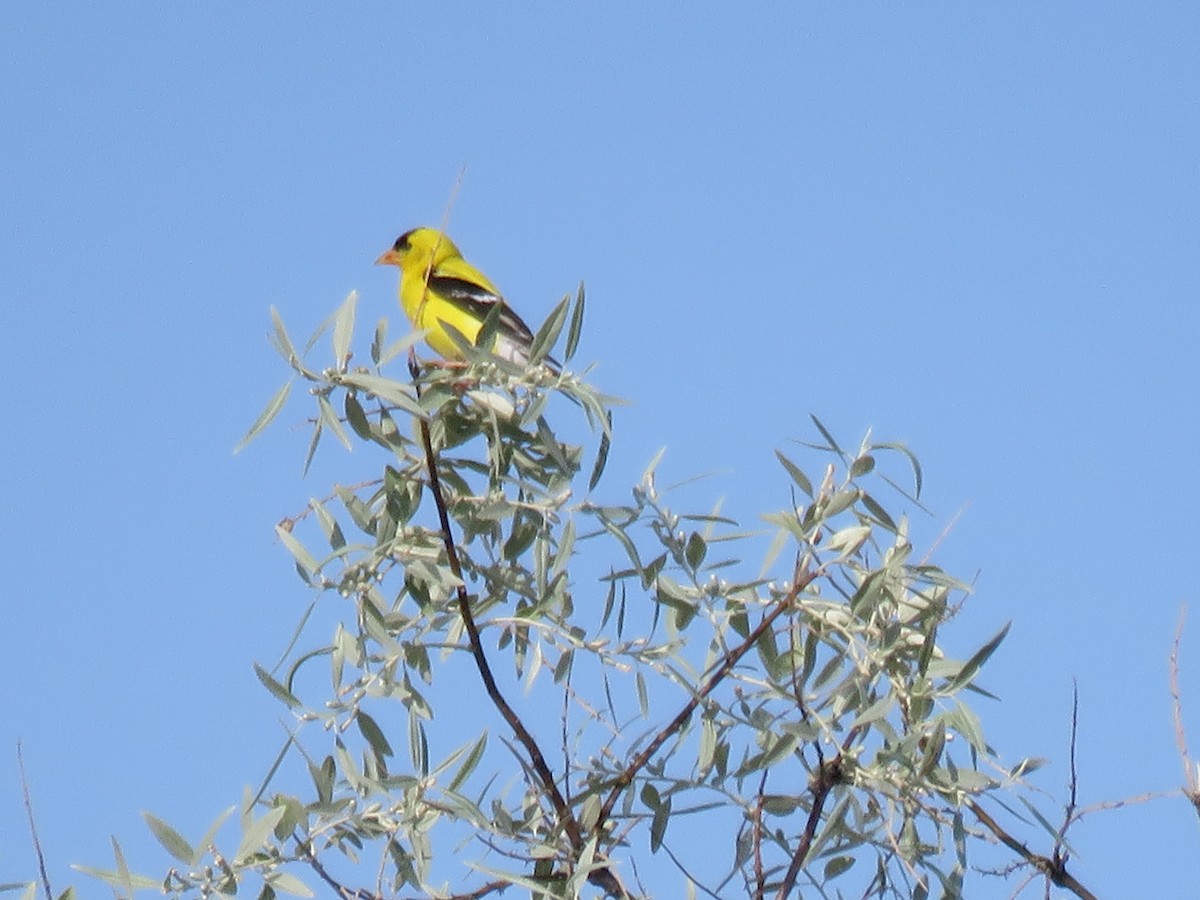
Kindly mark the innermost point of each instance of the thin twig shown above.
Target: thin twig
(288, 523)
(306, 851)
(1060, 855)
(695, 882)
(348, 893)
(760, 879)
(1191, 779)
(37, 844)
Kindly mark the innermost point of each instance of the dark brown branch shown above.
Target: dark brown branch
(340, 889)
(602, 877)
(1060, 855)
(537, 760)
(829, 775)
(732, 658)
(1055, 870)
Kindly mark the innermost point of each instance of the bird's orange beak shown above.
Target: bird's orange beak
(388, 258)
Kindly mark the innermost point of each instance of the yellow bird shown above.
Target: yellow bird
(439, 288)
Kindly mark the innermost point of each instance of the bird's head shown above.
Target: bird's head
(419, 249)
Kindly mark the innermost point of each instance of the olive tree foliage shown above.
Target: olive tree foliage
(534, 688)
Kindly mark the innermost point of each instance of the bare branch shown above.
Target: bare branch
(1055, 870)
(37, 844)
(1191, 776)
(1061, 855)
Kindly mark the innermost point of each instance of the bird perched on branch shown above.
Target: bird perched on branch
(438, 288)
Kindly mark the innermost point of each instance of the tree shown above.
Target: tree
(583, 685)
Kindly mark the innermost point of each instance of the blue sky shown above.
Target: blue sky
(974, 230)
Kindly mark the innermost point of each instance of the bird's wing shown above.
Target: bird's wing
(478, 302)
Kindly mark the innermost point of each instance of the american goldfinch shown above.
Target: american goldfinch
(439, 288)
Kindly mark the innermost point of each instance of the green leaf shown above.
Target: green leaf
(836, 865)
(486, 338)
(322, 777)
(658, 824)
(841, 500)
(963, 720)
(520, 537)
(780, 804)
(544, 340)
(877, 512)
(768, 652)
(918, 478)
(601, 454)
(357, 417)
(394, 349)
(343, 330)
(973, 665)
(318, 430)
(649, 795)
(288, 883)
(276, 689)
(562, 668)
(316, 335)
(621, 537)
(270, 411)
(469, 764)
(329, 525)
(298, 551)
(575, 329)
(281, 340)
(418, 746)
(551, 445)
(862, 466)
(935, 743)
(796, 474)
(379, 340)
(1050, 828)
(833, 444)
(260, 831)
(782, 749)
(373, 733)
(210, 835)
(695, 550)
(1027, 766)
(173, 842)
(566, 547)
(395, 392)
(849, 540)
(330, 418)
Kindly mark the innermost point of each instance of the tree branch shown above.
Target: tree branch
(802, 580)
(1055, 870)
(829, 774)
(602, 877)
